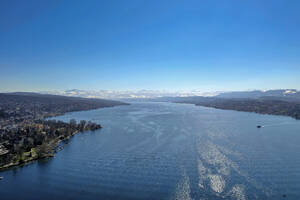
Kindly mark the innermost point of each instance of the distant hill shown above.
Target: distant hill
(51, 104)
(275, 102)
(258, 94)
(290, 95)
(58, 98)
(274, 105)
(129, 94)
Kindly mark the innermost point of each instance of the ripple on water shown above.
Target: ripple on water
(183, 189)
(217, 183)
(163, 151)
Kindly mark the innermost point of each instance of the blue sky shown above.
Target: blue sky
(209, 45)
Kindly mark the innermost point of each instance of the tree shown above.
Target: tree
(82, 125)
(73, 123)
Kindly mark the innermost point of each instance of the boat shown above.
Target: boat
(259, 126)
(1, 177)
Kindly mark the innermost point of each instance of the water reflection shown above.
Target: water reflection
(168, 151)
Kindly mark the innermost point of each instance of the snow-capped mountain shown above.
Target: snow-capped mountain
(113, 94)
(259, 93)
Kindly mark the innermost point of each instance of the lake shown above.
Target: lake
(160, 151)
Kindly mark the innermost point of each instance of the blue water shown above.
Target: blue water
(167, 151)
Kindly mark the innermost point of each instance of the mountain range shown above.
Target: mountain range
(258, 94)
(129, 94)
(152, 94)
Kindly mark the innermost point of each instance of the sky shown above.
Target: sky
(173, 45)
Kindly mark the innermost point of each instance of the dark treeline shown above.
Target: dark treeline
(33, 105)
(262, 105)
(38, 139)
(25, 135)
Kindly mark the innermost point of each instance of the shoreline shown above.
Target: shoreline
(261, 113)
(53, 145)
(243, 110)
(29, 136)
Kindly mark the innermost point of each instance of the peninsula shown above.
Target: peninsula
(25, 132)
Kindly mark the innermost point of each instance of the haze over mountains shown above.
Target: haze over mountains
(144, 94)
(114, 94)
(259, 93)
(276, 102)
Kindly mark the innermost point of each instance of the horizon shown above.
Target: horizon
(157, 99)
(161, 46)
(146, 94)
